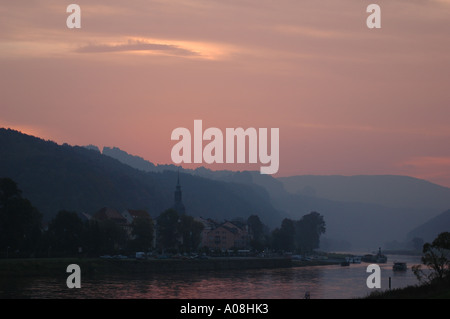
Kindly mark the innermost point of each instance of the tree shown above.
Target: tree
(65, 233)
(283, 237)
(167, 229)
(8, 191)
(436, 256)
(308, 230)
(114, 237)
(20, 222)
(142, 231)
(256, 230)
(190, 231)
(93, 239)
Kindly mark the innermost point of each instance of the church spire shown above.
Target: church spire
(178, 205)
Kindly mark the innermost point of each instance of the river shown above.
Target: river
(322, 282)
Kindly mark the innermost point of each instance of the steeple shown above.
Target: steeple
(178, 205)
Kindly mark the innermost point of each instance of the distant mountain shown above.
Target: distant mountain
(429, 230)
(55, 177)
(364, 209)
(92, 147)
(133, 161)
(363, 212)
(272, 185)
(386, 190)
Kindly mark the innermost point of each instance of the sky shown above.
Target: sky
(348, 100)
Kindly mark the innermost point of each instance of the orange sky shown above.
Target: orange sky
(348, 100)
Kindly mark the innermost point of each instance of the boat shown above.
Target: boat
(354, 259)
(368, 258)
(379, 258)
(399, 266)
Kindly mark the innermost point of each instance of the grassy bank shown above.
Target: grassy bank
(425, 291)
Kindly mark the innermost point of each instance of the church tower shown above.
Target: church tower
(178, 205)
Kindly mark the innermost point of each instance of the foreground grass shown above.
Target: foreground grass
(439, 290)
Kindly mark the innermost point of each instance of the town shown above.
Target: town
(109, 233)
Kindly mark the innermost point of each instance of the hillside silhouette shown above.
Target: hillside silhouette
(432, 228)
(386, 190)
(360, 211)
(55, 177)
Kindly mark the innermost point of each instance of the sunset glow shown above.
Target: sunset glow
(347, 100)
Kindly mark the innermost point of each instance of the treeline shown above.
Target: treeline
(300, 236)
(67, 234)
(21, 233)
(20, 222)
(83, 180)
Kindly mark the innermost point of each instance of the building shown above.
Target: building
(84, 217)
(208, 225)
(112, 215)
(132, 214)
(227, 235)
(107, 213)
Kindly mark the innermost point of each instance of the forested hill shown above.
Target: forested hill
(55, 177)
(432, 228)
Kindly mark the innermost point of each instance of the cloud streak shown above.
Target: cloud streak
(353, 100)
(133, 46)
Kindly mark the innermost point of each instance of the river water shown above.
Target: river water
(322, 282)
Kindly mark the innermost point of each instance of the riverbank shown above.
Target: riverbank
(306, 263)
(55, 266)
(425, 291)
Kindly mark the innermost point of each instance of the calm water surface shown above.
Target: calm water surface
(323, 282)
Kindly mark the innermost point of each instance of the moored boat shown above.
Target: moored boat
(399, 266)
(379, 258)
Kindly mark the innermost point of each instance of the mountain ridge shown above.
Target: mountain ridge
(58, 177)
(429, 230)
(364, 219)
(55, 177)
(389, 190)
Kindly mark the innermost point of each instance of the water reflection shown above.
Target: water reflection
(324, 282)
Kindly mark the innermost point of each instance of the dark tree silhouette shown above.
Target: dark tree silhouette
(256, 230)
(190, 231)
(20, 222)
(65, 233)
(308, 230)
(283, 237)
(167, 230)
(142, 231)
(436, 256)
